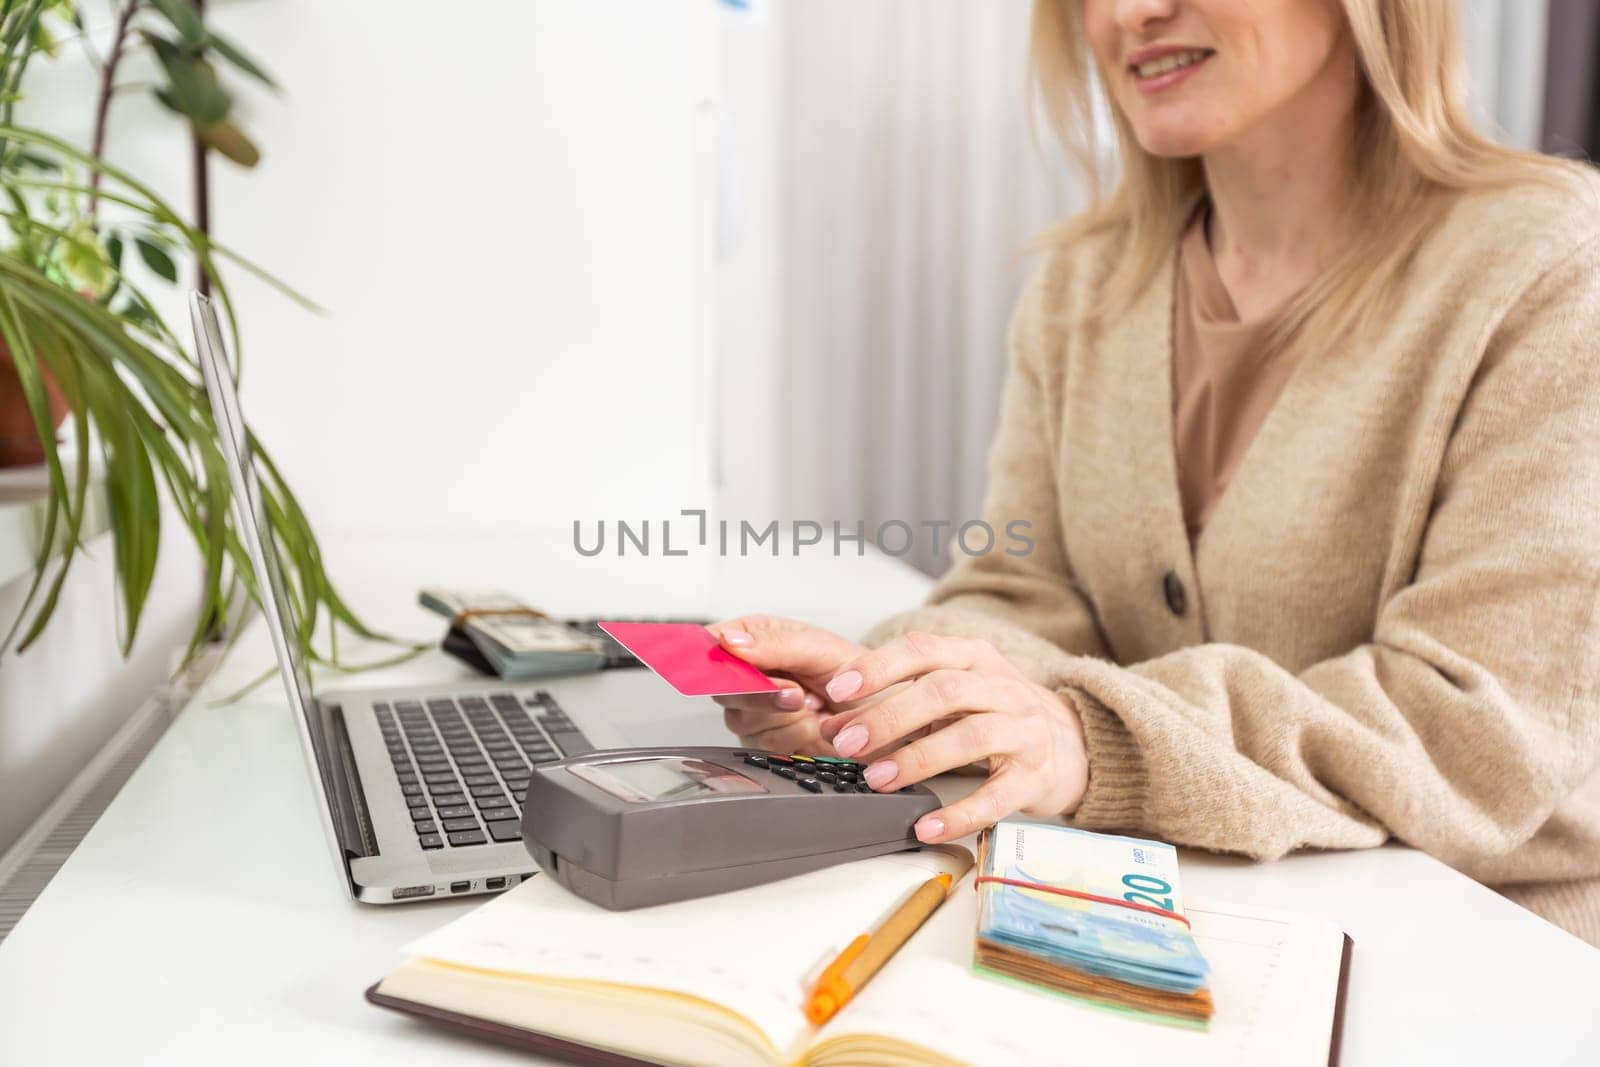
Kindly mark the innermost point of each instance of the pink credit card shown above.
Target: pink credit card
(687, 657)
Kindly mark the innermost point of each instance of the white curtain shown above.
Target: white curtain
(909, 184)
(1505, 42)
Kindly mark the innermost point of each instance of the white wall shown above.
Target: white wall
(505, 207)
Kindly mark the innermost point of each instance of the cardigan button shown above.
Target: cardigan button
(1177, 599)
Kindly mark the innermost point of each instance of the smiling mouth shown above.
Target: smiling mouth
(1155, 68)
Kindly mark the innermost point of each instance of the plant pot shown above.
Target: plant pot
(19, 440)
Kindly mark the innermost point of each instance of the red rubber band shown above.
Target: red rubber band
(1059, 891)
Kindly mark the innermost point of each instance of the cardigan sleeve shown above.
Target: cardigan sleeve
(1473, 711)
(1022, 598)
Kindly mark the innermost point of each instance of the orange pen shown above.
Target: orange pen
(868, 953)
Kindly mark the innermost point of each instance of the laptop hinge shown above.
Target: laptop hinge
(350, 816)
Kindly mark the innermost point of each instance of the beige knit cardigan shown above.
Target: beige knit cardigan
(1390, 626)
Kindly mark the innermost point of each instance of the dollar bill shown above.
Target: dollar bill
(518, 641)
(1093, 947)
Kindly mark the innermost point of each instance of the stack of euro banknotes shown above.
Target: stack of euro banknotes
(1089, 942)
(513, 640)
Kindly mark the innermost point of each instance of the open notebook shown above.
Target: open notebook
(722, 981)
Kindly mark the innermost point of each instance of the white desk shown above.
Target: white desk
(202, 919)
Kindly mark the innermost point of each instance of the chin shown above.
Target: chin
(1174, 140)
(1175, 136)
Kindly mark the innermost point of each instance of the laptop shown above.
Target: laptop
(420, 789)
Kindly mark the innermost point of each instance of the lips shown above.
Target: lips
(1169, 62)
(1157, 68)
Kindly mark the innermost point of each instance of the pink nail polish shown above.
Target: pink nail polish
(929, 827)
(844, 686)
(737, 638)
(789, 699)
(813, 702)
(851, 739)
(881, 773)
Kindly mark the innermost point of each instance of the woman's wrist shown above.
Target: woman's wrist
(1075, 764)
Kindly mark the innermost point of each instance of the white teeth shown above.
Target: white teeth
(1167, 64)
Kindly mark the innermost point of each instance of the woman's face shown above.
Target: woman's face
(1192, 75)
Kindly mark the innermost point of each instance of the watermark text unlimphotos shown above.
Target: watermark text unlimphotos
(693, 532)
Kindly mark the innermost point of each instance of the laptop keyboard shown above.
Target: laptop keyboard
(463, 763)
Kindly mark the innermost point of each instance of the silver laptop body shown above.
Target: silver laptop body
(363, 750)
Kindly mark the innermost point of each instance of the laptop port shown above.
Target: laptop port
(406, 892)
(494, 883)
(460, 887)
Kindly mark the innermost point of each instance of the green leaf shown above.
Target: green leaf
(230, 51)
(114, 250)
(83, 260)
(38, 162)
(25, 360)
(185, 19)
(230, 141)
(156, 259)
(43, 41)
(167, 100)
(192, 88)
(136, 311)
(135, 512)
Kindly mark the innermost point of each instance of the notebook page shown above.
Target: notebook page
(1274, 980)
(748, 950)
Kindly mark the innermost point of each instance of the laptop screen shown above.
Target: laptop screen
(256, 535)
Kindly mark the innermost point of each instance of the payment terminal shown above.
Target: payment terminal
(630, 827)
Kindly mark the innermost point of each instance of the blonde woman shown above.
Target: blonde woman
(1305, 416)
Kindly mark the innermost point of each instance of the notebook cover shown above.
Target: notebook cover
(1339, 999)
(572, 1052)
(514, 1036)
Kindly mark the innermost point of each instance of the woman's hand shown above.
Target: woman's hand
(979, 707)
(801, 658)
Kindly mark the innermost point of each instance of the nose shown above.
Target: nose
(1139, 16)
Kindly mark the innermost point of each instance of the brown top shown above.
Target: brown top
(1225, 378)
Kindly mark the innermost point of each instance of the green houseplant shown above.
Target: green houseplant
(81, 331)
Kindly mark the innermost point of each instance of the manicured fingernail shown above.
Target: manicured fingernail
(789, 699)
(881, 773)
(813, 702)
(929, 828)
(737, 638)
(844, 686)
(851, 739)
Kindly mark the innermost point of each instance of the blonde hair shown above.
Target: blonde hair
(1415, 146)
